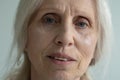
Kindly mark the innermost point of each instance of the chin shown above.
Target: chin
(64, 76)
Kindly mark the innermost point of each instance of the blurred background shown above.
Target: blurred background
(7, 16)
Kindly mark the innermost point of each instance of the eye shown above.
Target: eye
(81, 23)
(50, 18)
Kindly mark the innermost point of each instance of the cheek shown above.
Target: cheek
(86, 49)
(37, 42)
(34, 48)
(34, 39)
(38, 39)
(86, 46)
(90, 43)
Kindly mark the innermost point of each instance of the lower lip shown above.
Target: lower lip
(61, 62)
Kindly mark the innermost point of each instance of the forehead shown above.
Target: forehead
(73, 7)
(76, 5)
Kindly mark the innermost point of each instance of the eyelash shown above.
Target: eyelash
(81, 22)
(52, 18)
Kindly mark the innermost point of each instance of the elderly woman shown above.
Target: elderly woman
(58, 39)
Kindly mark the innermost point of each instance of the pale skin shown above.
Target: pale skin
(66, 27)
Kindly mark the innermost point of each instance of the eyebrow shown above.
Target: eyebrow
(84, 15)
(49, 8)
(77, 12)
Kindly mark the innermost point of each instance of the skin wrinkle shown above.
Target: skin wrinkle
(42, 40)
(76, 12)
(62, 8)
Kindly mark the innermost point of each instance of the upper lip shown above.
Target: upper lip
(61, 56)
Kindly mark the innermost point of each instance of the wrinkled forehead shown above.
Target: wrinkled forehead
(74, 7)
(73, 4)
(85, 8)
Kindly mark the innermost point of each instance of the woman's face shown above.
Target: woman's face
(61, 39)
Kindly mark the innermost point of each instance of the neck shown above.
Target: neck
(34, 75)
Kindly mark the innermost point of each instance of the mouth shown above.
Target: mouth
(61, 59)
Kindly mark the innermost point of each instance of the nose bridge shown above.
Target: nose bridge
(65, 33)
(65, 36)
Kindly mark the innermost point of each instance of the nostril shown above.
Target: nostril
(59, 42)
(63, 42)
(70, 44)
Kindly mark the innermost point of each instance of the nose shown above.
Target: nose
(64, 38)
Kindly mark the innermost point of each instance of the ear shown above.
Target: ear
(26, 48)
(26, 45)
(92, 62)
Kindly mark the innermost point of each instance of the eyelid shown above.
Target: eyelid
(54, 15)
(84, 18)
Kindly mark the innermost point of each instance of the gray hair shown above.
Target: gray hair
(19, 65)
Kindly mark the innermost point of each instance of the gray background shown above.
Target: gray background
(7, 12)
